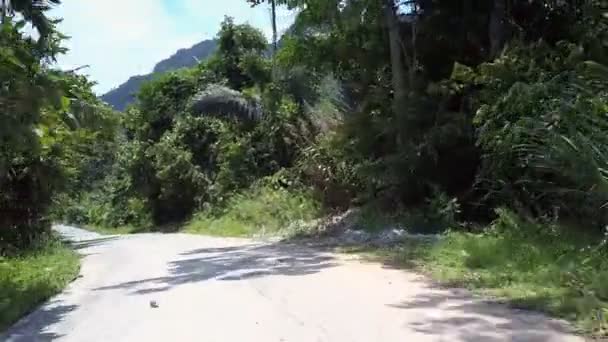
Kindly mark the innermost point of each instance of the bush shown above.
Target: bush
(442, 211)
(265, 208)
(24, 201)
(542, 130)
(332, 169)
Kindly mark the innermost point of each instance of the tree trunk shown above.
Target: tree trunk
(4, 10)
(397, 66)
(275, 38)
(414, 62)
(497, 28)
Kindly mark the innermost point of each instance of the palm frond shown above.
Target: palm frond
(223, 102)
(577, 158)
(33, 11)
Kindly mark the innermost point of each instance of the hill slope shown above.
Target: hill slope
(124, 94)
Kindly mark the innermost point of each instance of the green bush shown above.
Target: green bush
(542, 130)
(332, 169)
(265, 208)
(442, 211)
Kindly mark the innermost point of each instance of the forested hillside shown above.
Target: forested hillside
(483, 119)
(125, 93)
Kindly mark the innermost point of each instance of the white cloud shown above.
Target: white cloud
(122, 38)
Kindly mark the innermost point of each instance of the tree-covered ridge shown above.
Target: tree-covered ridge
(125, 94)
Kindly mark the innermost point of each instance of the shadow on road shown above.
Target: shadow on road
(34, 329)
(78, 245)
(232, 264)
(455, 313)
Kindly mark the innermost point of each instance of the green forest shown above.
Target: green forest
(483, 121)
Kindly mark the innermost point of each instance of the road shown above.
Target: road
(179, 287)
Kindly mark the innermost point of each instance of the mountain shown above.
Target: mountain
(124, 94)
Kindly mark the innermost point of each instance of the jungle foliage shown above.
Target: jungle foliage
(454, 113)
(52, 127)
(408, 105)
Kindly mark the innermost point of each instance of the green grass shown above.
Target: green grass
(528, 265)
(29, 279)
(122, 230)
(261, 210)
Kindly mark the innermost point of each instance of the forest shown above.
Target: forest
(483, 121)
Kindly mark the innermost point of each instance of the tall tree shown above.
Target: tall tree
(273, 8)
(239, 58)
(273, 5)
(397, 64)
(497, 27)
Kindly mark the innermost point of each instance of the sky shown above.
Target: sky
(118, 39)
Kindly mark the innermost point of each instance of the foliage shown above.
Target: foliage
(222, 101)
(33, 11)
(446, 110)
(159, 102)
(239, 56)
(332, 170)
(326, 112)
(265, 208)
(442, 210)
(30, 103)
(536, 266)
(56, 136)
(197, 136)
(26, 280)
(542, 130)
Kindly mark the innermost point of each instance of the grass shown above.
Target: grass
(29, 279)
(261, 210)
(528, 265)
(122, 230)
(130, 229)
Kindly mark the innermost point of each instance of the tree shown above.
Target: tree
(397, 66)
(33, 11)
(240, 56)
(273, 13)
(51, 126)
(497, 27)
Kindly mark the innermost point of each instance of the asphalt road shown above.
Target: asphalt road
(178, 287)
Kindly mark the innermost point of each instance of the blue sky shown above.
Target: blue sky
(122, 38)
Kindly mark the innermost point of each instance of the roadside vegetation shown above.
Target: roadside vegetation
(544, 267)
(449, 115)
(52, 131)
(29, 278)
(263, 210)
